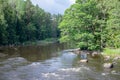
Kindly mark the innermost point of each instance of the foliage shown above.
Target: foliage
(79, 25)
(92, 24)
(113, 25)
(21, 21)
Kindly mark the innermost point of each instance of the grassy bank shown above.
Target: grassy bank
(111, 52)
(41, 42)
(28, 43)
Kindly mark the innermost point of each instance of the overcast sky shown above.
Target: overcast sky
(54, 6)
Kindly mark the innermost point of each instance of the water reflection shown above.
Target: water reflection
(35, 53)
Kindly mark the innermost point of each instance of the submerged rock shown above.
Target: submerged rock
(3, 55)
(108, 65)
(113, 72)
(114, 62)
(83, 56)
(76, 51)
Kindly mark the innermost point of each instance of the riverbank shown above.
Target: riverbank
(42, 42)
(111, 52)
(28, 43)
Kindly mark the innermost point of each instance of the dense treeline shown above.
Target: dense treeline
(21, 21)
(92, 24)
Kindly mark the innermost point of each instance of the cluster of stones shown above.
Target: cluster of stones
(95, 54)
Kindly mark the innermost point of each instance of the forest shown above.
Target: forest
(21, 21)
(92, 24)
(89, 24)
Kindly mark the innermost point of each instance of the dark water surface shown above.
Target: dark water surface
(51, 62)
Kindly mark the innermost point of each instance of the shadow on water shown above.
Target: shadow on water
(52, 62)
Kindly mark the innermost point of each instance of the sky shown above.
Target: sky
(54, 6)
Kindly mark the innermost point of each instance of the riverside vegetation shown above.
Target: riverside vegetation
(22, 22)
(93, 25)
(89, 24)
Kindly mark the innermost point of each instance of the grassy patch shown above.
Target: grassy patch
(47, 41)
(111, 52)
(41, 42)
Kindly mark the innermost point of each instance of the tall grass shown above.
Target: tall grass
(111, 52)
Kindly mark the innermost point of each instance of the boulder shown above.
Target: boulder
(84, 61)
(116, 58)
(95, 54)
(76, 51)
(108, 65)
(106, 58)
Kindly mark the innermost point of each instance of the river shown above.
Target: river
(51, 62)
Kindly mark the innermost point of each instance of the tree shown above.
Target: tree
(3, 25)
(38, 20)
(56, 19)
(81, 25)
(21, 21)
(10, 16)
(113, 25)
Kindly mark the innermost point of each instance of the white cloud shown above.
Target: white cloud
(72, 1)
(53, 6)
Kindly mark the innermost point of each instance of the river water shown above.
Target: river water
(51, 62)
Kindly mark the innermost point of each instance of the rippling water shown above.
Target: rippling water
(51, 62)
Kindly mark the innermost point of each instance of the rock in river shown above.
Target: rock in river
(106, 58)
(3, 55)
(116, 58)
(95, 54)
(108, 65)
(84, 61)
